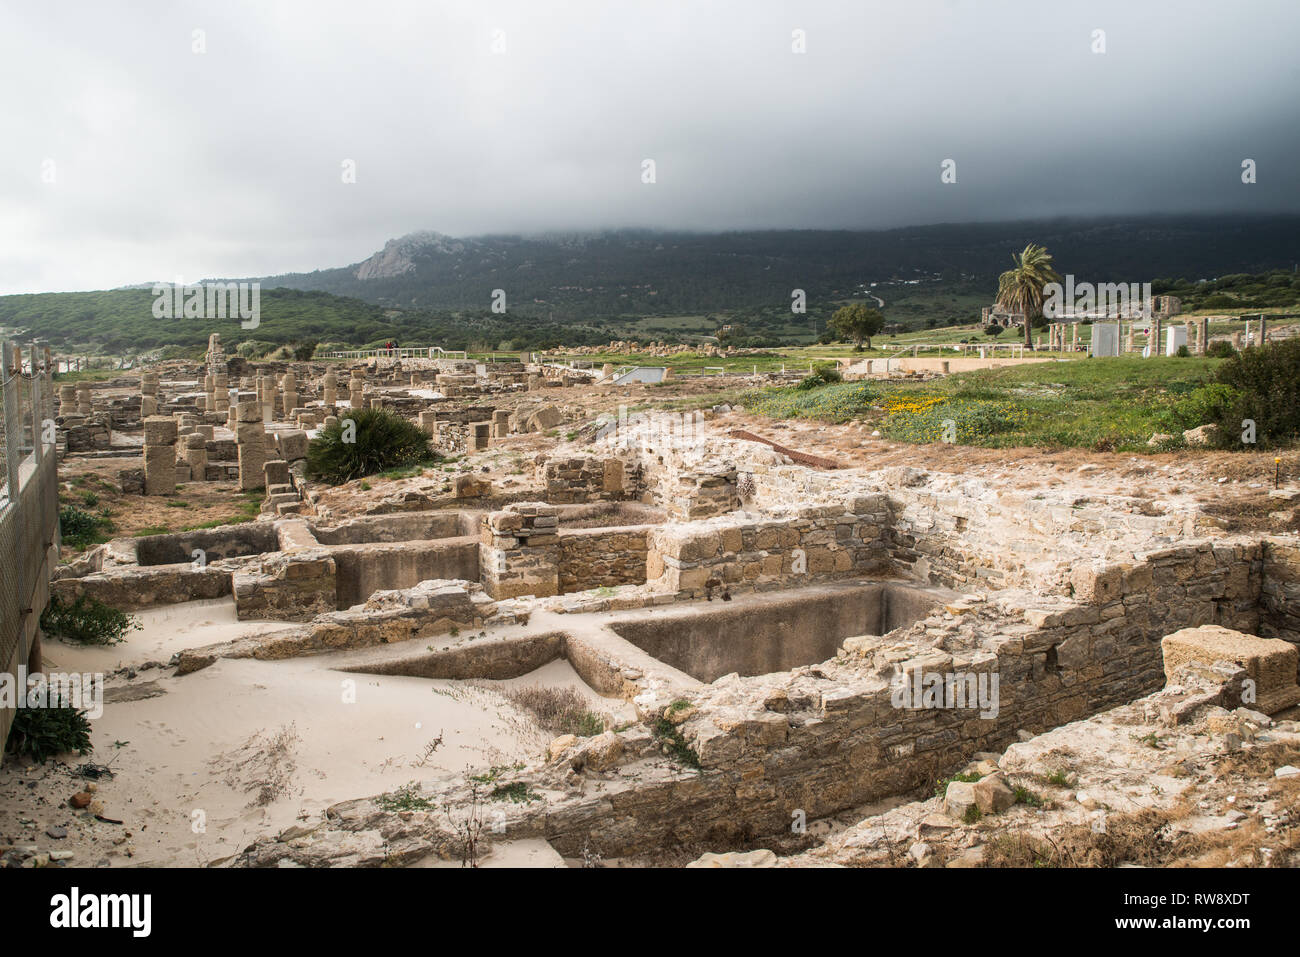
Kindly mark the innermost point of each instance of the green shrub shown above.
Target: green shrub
(86, 621)
(42, 733)
(1266, 381)
(823, 373)
(1220, 349)
(1182, 352)
(1203, 404)
(838, 402)
(80, 529)
(382, 440)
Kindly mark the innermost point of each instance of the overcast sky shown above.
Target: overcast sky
(169, 163)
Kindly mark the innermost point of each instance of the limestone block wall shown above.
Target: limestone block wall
(1280, 591)
(831, 737)
(519, 551)
(133, 588)
(586, 478)
(821, 543)
(294, 586)
(602, 557)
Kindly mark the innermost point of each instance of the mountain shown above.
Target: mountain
(632, 273)
(588, 288)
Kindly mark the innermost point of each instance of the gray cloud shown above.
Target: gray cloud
(169, 163)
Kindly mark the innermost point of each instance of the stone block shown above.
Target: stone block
(1270, 663)
(160, 430)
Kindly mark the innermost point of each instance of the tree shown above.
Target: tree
(857, 322)
(1020, 289)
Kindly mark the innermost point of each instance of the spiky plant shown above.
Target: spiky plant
(1020, 289)
(365, 442)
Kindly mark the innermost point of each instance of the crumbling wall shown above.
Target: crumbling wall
(1280, 592)
(602, 558)
(294, 586)
(822, 543)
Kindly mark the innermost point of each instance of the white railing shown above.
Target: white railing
(404, 352)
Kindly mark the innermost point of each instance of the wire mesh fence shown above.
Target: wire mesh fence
(29, 509)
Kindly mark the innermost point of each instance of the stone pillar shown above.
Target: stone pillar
(1074, 342)
(1202, 335)
(500, 423)
(1157, 347)
(429, 422)
(330, 390)
(196, 454)
(289, 397)
(357, 389)
(476, 439)
(159, 455)
(1236, 341)
(220, 393)
(519, 551)
(1261, 335)
(67, 399)
(84, 404)
(266, 398)
(250, 439)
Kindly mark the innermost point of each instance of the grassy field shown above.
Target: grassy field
(1102, 404)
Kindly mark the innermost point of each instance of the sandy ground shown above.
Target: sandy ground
(206, 763)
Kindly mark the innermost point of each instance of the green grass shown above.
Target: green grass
(941, 785)
(516, 793)
(248, 510)
(1100, 404)
(405, 798)
(671, 738)
(840, 402)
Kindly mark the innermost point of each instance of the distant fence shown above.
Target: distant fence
(406, 352)
(29, 506)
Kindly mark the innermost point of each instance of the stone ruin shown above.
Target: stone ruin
(764, 638)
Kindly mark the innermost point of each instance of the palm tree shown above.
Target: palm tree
(1020, 289)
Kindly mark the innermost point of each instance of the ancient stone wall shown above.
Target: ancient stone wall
(602, 558)
(294, 586)
(741, 551)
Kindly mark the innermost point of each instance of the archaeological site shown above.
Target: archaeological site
(593, 630)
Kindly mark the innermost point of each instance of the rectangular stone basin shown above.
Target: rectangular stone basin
(776, 631)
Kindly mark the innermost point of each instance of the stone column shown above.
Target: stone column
(1202, 335)
(250, 439)
(84, 404)
(266, 397)
(221, 393)
(159, 455)
(330, 390)
(67, 400)
(289, 394)
(1074, 342)
(477, 436)
(357, 389)
(500, 423)
(1236, 341)
(1157, 347)
(1262, 333)
(429, 422)
(196, 454)
(148, 394)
